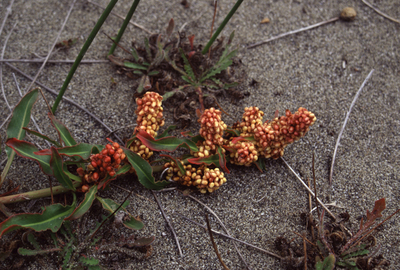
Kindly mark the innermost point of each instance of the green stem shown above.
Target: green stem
(124, 25)
(85, 47)
(226, 20)
(36, 194)
(7, 167)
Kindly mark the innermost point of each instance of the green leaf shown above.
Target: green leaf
(104, 182)
(147, 47)
(89, 261)
(134, 65)
(51, 219)
(168, 144)
(85, 205)
(167, 95)
(187, 66)
(222, 159)
(165, 132)
(32, 240)
(361, 251)
(141, 84)
(111, 206)
(73, 177)
(56, 164)
(214, 159)
(260, 163)
(153, 73)
(65, 135)
(135, 54)
(327, 264)
(40, 135)
(138, 72)
(21, 117)
(29, 252)
(82, 150)
(27, 150)
(143, 171)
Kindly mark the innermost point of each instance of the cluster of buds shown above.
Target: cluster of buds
(212, 127)
(245, 153)
(150, 119)
(203, 178)
(212, 130)
(107, 162)
(273, 137)
(252, 117)
(211, 181)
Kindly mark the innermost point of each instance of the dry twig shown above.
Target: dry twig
(38, 60)
(52, 47)
(215, 245)
(8, 12)
(380, 12)
(309, 190)
(292, 32)
(344, 124)
(168, 222)
(1, 67)
(230, 237)
(121, 17)
(222, 224)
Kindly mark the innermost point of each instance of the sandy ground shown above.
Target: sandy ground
(321, 70)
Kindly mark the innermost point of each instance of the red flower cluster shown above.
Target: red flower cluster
(102, 164)
(245, 153)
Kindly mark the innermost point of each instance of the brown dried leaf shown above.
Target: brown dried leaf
(380, 205)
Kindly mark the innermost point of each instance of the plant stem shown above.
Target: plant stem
(124, 25)
(36, 194)
(85, 47)
(222, 26)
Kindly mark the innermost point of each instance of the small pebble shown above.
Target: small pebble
(348, 14)
(265, 20)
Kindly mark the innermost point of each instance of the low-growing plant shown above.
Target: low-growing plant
(169, 64)
(248, 142)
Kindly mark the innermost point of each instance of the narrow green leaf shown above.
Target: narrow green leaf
(138, 72)
(27, 150)
(82, 150)
(56, 164)
(222, 159)
(167, 95)
(65, 135)
(165, 132)
(29, 252)
(153, 73)
(147, 47)
(143, 171)
(260, 163)
(40, 135)
(187, 66)
(85, 205)
(50, 219)
(111, 206)
(134, 65)
(21, 117)
(168, 144)
(214, 159)
(135, 54)
(130, 141)
(327, 264)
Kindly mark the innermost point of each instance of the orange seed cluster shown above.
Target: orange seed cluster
(150, 119)
(102, 164)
